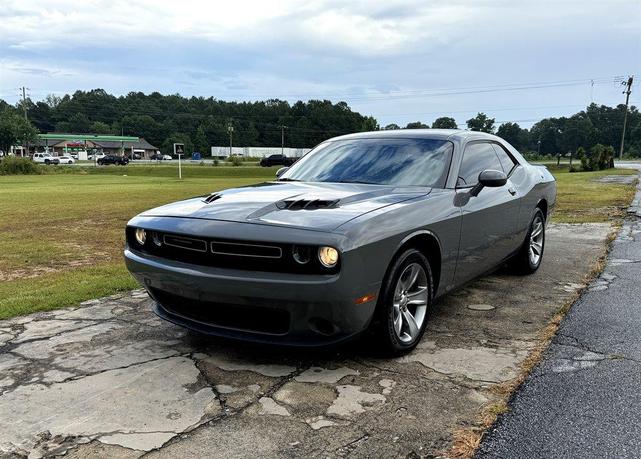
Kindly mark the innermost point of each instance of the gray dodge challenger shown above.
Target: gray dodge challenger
(359, 237)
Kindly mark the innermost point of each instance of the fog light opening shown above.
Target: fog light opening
(323, 326)
(155, 238)
(141, 236)
(301, 254)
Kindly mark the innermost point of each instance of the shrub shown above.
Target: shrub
(599, 157)
(215, 162)
(586, 162)
(13, 165)
(236, 161)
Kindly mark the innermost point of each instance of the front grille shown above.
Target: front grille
(187, 243)
(232, 254)
(225, 315)
(246, 250)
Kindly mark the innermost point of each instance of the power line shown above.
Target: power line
(117, 112)
(433, 91)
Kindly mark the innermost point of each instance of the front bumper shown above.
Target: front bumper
(269, 307)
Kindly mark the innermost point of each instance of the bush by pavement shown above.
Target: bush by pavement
(13, 165)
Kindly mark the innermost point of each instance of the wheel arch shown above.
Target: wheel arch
(429, 245)
(543, 205)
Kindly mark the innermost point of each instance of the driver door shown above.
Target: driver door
(489, 220)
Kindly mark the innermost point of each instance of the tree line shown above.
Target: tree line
(200, 122)
(596, 125)
(195, 121)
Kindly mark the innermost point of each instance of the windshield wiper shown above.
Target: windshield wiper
(285, 179)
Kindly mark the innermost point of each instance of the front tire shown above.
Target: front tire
(529, 258)
(404, 304)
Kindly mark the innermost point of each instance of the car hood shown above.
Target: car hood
(316, 206)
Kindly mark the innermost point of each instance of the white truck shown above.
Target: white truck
(45, 158)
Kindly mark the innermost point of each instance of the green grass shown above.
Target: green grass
(163, 170)
(61, 234)
(582, 199)
(54, 290)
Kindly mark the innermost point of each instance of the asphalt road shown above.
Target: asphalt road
(583, 400)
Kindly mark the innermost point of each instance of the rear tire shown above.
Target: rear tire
(529, 258)
(404, 304)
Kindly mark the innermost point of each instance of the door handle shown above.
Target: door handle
(512, 191)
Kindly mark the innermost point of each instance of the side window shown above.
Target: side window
(477, 157)
(506, 160)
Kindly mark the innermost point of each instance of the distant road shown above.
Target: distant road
(628, 164)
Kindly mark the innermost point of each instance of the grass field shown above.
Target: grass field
(582, 199)
(61, 235)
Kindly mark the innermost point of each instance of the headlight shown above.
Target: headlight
(328, 256)
(141, 236)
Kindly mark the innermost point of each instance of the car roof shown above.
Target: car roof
(442, 134)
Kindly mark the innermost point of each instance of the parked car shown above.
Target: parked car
(277, 160)
(74, 156)
(45, 158)
(160, 157)
(360, 235)
(113, 159)
(167, 157)
(66, 160)
(96, 156)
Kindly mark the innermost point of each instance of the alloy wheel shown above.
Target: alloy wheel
(536, 241)
(410, 302)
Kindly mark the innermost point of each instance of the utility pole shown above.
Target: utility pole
(627, 92)
(24, 101)
(282, 139)
(230, 129)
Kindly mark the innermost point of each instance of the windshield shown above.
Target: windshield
(400, 162)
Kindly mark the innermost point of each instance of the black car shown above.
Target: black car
(113, 159)
(277, 160)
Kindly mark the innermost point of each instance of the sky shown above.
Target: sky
(396, 60)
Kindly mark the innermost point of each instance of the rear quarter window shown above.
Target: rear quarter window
(506, 160)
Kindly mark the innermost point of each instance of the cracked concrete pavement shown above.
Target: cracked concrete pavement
(583, 399)
(108, 378)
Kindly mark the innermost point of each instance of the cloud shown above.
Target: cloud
(363, 27)
(359, 51)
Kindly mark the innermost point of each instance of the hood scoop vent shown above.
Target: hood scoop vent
(307, 204)
(212, 197)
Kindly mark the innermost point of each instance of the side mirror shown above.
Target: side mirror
(281, 171)
(489, 178)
